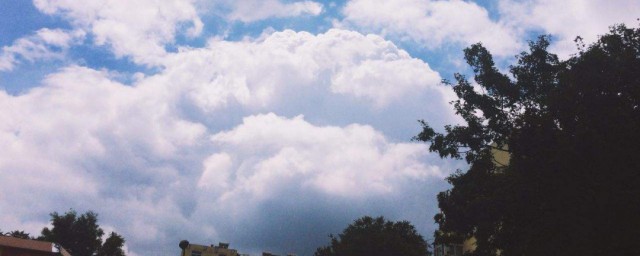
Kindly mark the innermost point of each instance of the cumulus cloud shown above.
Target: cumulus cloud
(270, 161)
(353, 161)
(188, 152)
(86, 131)
(254, 10)
(139, 29)
(44, 44)
(68, 142)
(588, 18)
(438, 23)
(143, 29)
(433, 23)
(259, 72)
(269, 143)
(85, 141)
(163, 159)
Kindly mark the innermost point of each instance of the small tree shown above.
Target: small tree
(112, 246)
(369, 236)
(81, 235)
(17, 234)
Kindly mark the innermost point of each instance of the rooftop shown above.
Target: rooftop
(27, 244)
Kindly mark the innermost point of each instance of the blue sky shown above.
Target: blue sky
(268, 124)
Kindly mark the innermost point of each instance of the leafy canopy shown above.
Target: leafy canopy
(572, 184)
(81, 235)
(17, 234)
(369, 236)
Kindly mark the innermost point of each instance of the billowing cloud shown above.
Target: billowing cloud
(438, 23)
(44, 44)
(164, 158)
(270, 161)
(254, 10)
(139, 29)
(143, 29)
(260, 72)
(433, 23)
(68, 142)
(85, 141)
(588, 18)
(269, 142)
(353, 161)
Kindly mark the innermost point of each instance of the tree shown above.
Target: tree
(369, 236)
(570, 127)
(17, 234)
(112, 246)
(81, 235)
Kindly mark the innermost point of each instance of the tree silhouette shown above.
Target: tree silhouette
(570, 127)
(81, 235)
(112, 246)
(369, 236)
(17, 234)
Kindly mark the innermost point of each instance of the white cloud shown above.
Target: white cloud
(217, 172)
(290, 175)
(130, 151)
(259, 72)
(565, 20)
(84, 141)
(254, 10)
(139, 29)
(140, 150)
(45, 44)
(433, 23)
(169, 157)
(272, 152)
(79, 116)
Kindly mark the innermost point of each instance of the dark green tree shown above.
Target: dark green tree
(80, 234)
(369, 236)
(570, 127)
(17, 234)
(112, 246)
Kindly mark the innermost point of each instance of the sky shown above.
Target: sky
(268, 124)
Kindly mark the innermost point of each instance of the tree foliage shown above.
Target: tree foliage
(17, 234)
(81, 235)
(112, 246)
(572, 186)
(369, 236)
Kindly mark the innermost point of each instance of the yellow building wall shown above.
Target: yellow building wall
(202, 250)
(469, 245)
(501, 157)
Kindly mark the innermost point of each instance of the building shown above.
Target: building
(203, 250)
(222, 249)
(447, 250)
(271, 254)
(468, 245)
(11, 246)
(501, 156)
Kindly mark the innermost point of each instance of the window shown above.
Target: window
(196, 253)
(439, 250)
(457, 250)
(448, 250)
